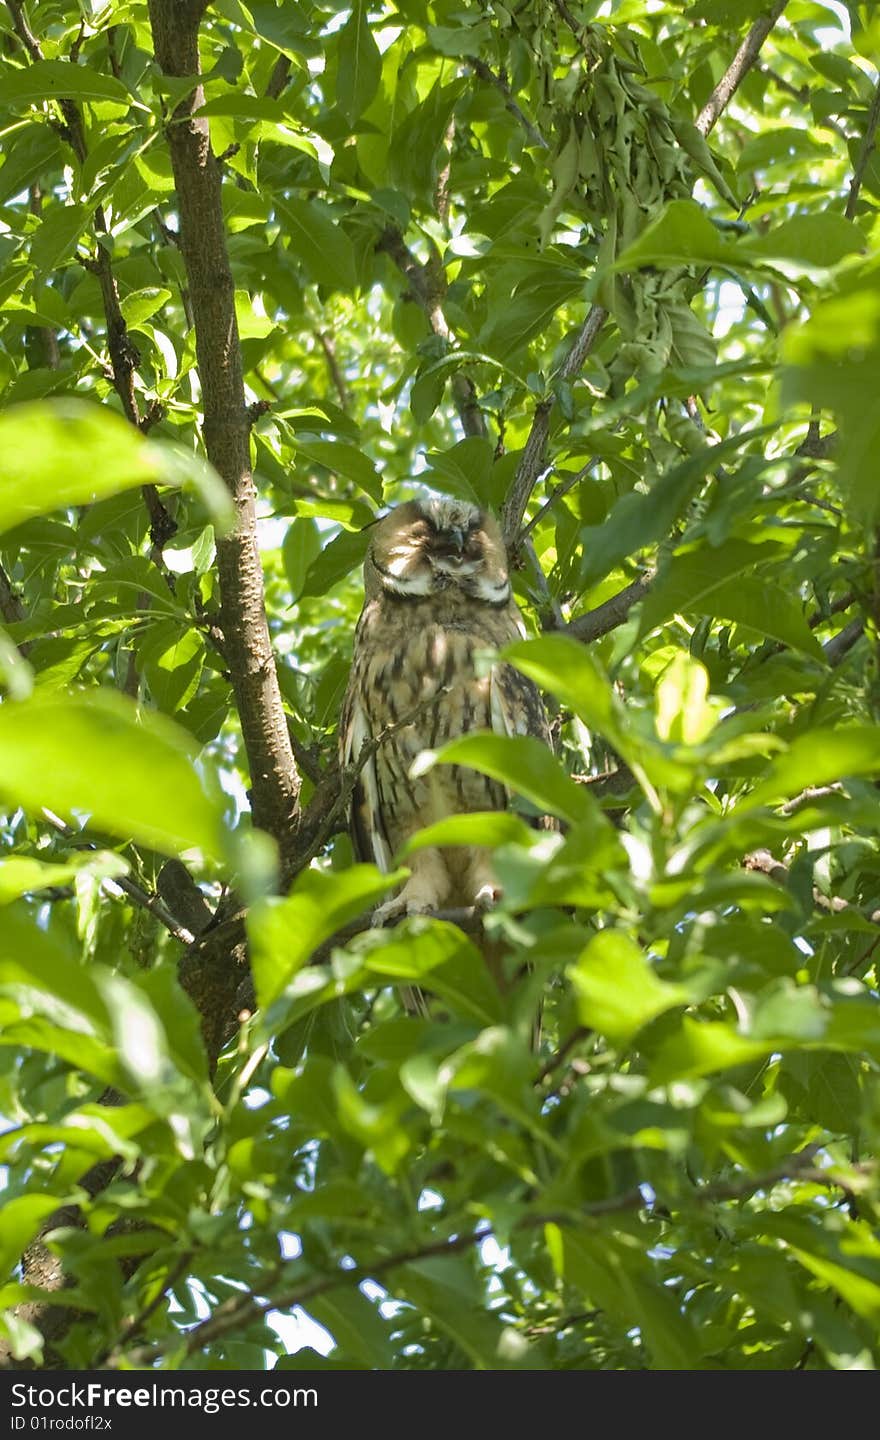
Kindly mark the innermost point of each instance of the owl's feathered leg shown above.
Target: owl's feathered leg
(426, 889)
(481, 886)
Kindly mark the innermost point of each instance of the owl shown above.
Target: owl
(437, 594)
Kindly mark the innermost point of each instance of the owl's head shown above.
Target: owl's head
(425, 546)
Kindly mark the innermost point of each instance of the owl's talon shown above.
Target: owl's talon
(487, 897)
(397, 909)
(391, 910)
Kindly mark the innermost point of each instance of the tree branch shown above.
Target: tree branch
(144, 899)
(279, 77)
(738, 68)
(777, 870)
(534, 461)
(559, 491)
(610, 613)
(840, 644)
(124, 356)
(326, 343)
(275, 781)
(865, 150)
(481, 69)
(240, 1310)
(428, 287)
(534, 457)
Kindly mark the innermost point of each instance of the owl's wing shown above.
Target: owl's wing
(516, 705)
(365, 811)
(517, 709)
(515, 701)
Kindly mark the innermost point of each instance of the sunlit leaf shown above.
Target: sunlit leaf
(131, 771)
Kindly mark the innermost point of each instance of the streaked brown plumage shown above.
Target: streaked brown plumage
(437, 594)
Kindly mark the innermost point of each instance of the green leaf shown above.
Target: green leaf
(285, 933)
(702, 1047)
(412, 157)
(36, 152)
(684, 235)
(344, 554)
(537, 293)
(814, 242)
(356, 1325)
(323, 247)
(20, 1221)
(615, 1276)
(446, 1289)
(518, 761)
(617, 989)
(55, 453)
(56, 239)
(344, 460)
(359, 66)
(24, 874)
(65, 452)
(764, 607)
(700, 582)
(859, 1292)
(172, 660)
(464, 469)
(691, 577)
(300, 548)
(567, 670)
(139, 305)
(42, 80)
(818, 757)
(61, 1007)
(96, 752)
(444, 960)
(490, 827)
(639, 520)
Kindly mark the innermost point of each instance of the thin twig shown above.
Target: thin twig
(427, 287)
(812, 792)
(481, 69)
(557, 493)
(137, 1322)
(738, 68)
(778, 871)
(534, 456)
(240, 1310)
(336, 374)
(144, 899)
(865, 150)
(305, 757)
(579, 1033)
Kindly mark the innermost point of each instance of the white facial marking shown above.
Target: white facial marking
(494, 592)
(398, 565)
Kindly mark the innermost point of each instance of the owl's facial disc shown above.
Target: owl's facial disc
(433, 545)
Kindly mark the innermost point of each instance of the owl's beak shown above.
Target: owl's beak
(453, 538)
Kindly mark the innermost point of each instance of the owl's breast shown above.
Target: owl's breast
(426, 672)
(421, 682)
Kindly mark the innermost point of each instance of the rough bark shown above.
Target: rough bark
(275, 782)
